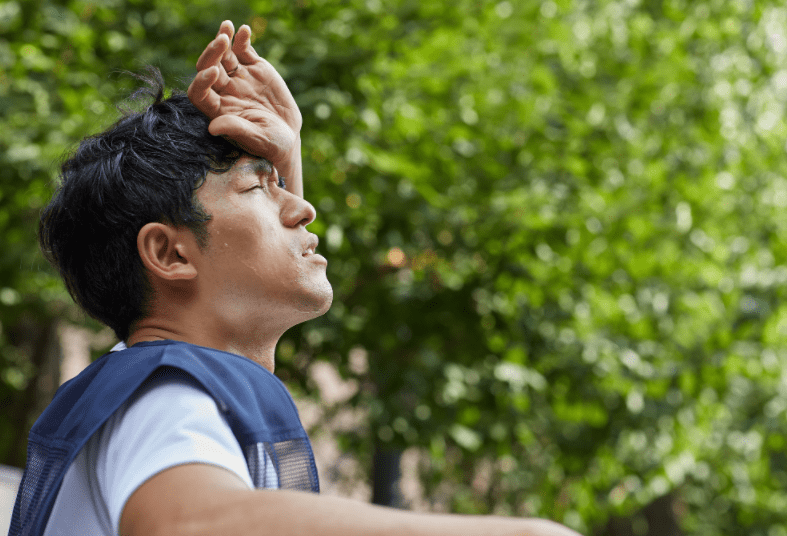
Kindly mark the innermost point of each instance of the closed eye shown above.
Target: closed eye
(282, 183)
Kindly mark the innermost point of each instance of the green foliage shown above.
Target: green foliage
(554, 230)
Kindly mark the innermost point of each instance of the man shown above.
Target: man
(197, 255)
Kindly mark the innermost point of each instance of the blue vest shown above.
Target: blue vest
(254, 402)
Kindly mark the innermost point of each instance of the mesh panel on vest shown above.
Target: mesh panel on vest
(259, 458)
(44, 465)
(284, 465)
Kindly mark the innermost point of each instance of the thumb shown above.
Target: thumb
(272, 142)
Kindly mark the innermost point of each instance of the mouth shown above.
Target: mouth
(311, 245)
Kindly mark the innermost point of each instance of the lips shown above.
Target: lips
(311, 245)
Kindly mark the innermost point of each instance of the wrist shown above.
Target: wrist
(291, 168)
(290, 163)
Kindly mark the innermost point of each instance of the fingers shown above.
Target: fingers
(260, 138)
(242, 46)
(235, 128)
(200, 93)
(230, 57)
(226, 28)
(213, 52)
(241, 132)
(229, 61)
(219, 49)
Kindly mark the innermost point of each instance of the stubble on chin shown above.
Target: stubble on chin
(317, 299)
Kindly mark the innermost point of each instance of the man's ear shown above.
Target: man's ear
(166, 251)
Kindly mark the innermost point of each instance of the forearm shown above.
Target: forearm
(284, 512)
(205, 500)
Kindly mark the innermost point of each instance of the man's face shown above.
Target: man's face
(259, 270)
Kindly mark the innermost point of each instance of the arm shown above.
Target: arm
(249, 102)
(207, 500)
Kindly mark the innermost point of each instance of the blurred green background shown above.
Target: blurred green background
(555, 231)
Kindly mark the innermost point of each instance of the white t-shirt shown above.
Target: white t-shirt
(166, 423)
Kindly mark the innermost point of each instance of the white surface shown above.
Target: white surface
(9, 482)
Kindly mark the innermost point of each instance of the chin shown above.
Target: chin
(325, 303)
(317, 302)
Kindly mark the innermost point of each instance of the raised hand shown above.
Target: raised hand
(247, 100)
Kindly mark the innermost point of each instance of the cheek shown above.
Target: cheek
(240, 231)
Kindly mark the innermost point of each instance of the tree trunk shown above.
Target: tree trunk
(38, 340)
(659, 518)
(386, 476)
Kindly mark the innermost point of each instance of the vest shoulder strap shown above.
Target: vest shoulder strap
(257, 406)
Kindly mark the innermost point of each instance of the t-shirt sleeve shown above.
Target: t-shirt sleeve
(167, 423)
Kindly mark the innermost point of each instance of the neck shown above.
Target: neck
(261, 351)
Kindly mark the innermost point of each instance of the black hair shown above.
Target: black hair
(145, 168)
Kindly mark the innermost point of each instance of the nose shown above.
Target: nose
(297, 211)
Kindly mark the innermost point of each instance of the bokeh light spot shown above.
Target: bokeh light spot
(395, 257)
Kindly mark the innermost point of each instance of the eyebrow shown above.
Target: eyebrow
(259, 166)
